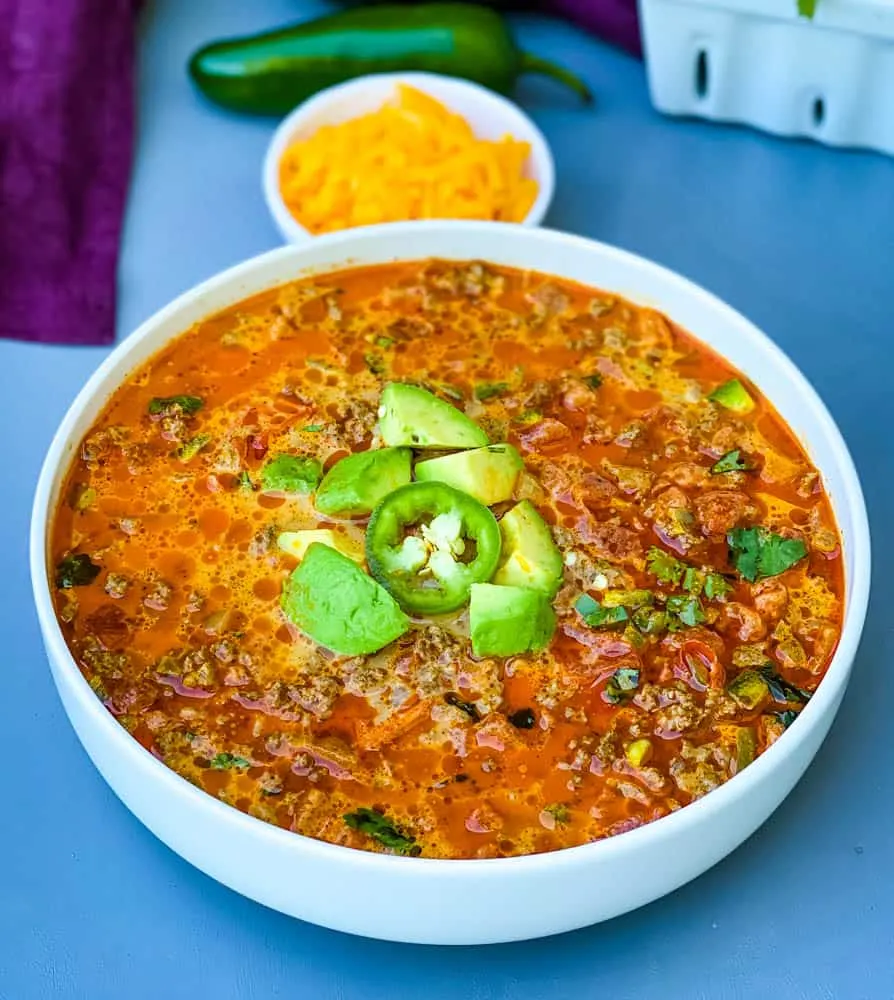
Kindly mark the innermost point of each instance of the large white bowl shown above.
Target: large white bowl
(490, 115)
(461, 902)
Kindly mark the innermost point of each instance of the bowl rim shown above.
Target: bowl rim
(291, 229)
(140, 760)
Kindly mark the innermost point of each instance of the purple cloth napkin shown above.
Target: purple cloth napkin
(66, 132)
(613, 20)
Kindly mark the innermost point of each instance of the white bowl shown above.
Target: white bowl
(461, 902)
(490, 115)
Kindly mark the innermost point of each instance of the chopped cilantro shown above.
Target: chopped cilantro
(597, 616)
(664, 566)
(163, 406)
(189, 449)
(620, 685)
(731, 462)
(291, 474)
(717, 587)
(464, 706)
(313, 428)
(384, 342)
(593, 381)
(687, 609)
(559, 812)
(758, 552)
(487, 390)
(528, 418)
(226, 761)
(374, 824)
(76, 570)
(693, 580)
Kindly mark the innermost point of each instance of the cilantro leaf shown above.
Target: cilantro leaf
(376, 825)
(687, 608)
(163, 406)
(76, 570)
(593, 381)
(664, 566)
(312, 428)
(189, 449)
(693, 580)
(731, 462)
(487, 390)
(758, 552)
(226, 761)
(786, 718)
(597, 616)
(717, 587)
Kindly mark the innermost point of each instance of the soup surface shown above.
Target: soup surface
(669, 597)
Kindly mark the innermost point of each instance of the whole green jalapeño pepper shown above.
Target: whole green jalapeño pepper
(427, 543)
(272, 72)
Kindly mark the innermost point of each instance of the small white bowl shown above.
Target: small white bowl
(490, 115)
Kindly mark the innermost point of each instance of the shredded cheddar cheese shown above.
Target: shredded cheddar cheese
(410, 159)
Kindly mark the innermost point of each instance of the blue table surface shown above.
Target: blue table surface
(801, 239)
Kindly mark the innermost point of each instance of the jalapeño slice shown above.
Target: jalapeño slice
(427, 543)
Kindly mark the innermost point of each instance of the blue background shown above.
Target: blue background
(801, 239)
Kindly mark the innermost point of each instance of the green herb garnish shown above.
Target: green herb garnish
(375, 363)
(559, 812)
(687, 608)
(291, 474)
(731, 462)
(717, 587)
(189, 449)
(226, 761)
(598, 616)
(650, 621)
(693, 580)
(166, 405)
(664, 566)
(76, 570)
(313, 428)
(758, 552)
(786, 718)
(487, 390)
(374, 824)
(384, 342)
(593, 381)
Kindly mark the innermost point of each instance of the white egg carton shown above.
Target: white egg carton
(757, 62)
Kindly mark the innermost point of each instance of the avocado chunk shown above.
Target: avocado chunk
(505, 621)
(356, 484)
(296, 543)
(338, 606)
(412, 417)
(733, 396)
(530, 557)
(487, 474)
(291, 474)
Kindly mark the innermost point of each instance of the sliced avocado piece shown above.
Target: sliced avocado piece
(734, 396)
(337, 605)
(296, 543)
(356, 484)
(505, 621)
(488, 474)
(291, 474)
(530, 556)
(412, 417)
